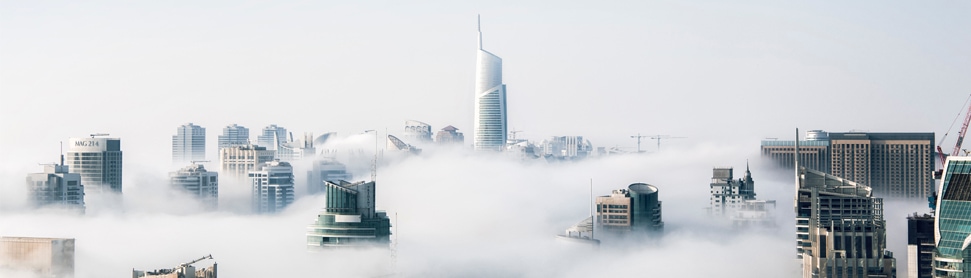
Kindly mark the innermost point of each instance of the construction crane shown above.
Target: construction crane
(196, 260)
(639, 136)
(659, 137)
(99, 134)
(957, 145)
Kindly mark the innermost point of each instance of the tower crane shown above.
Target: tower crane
(196, 260)
(638, 137)
(99, 134)
(659, 137)
(960, 140)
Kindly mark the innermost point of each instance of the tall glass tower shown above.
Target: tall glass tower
(953, 224)
(234, 135)
(489, 131)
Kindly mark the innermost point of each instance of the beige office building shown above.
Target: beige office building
(895, 165)
(45, 257)
(237, 161)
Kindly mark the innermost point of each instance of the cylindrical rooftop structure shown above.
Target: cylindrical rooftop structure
(645, 212)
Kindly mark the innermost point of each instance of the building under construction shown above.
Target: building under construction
(185, 270)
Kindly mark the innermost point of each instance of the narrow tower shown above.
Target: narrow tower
(489, 131)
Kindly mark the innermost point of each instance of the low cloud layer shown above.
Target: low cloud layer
(454, 213)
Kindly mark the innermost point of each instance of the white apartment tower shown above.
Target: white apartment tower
(195, 180)
(272, 187)
(728, 194)
(189, 144)
(98, 161)
(489, 132)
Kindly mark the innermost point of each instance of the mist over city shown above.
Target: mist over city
(494, 139)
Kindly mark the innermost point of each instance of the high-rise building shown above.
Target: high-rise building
(45, 257)
(195, 180)
(952, 228)
(272, 137)
(297, 150)
(272, 186)
(56, 186)
(236, 161)
(449, 135)
(920, 246)
(234, 135)
(636, 209)
(489, 132)
(189, 144)
(840, 229)
(728, 194)
(98, 160)
(897, 165)
(325, 170)
(350, 218)
(417, 132)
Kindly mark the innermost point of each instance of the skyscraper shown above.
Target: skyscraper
(489, 131)
(952, 257)
(56, 186)
(272, 137)
(272, 187)
(350, 218)
(233, 135)
(897, 165)
(189, 144)
(195, 180)
(98, 160)
(840, 231)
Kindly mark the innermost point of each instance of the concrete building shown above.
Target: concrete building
(417, 132)
(952, 227)
(195, 180)
(43, 257)
(272, 186)
(56, 186)
(489, 132)
(920, 246)
(272, 137)
(728, 194)
(635, 209)
(897, 165)
(234, 135)
(185, 270)
(565, 147)
(449, 135)
(189, 144)
(236, 161)
(99, 162)
(840, 228)
(297, 150)
(350, 219)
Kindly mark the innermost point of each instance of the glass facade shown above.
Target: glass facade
(952, 257)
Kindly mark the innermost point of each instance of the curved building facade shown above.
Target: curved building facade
(953, 224)
(489, 133)
(349, 219)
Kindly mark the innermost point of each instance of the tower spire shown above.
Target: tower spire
(478, 19)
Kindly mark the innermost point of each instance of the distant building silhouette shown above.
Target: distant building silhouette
(325, 170)
(417, 132)
(449, 135)
(45, 257)
(189, 144)
(234, 135)
(56, 186)
(195, 180)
